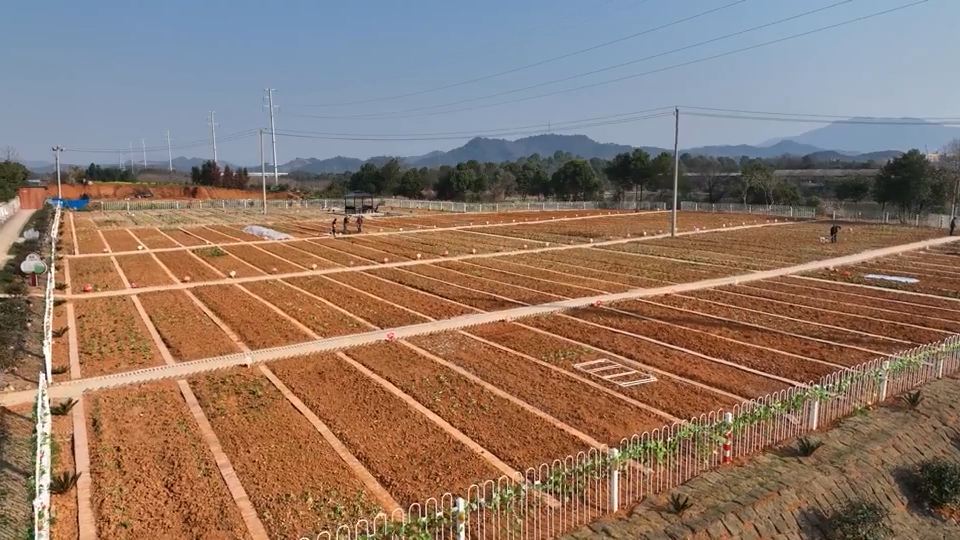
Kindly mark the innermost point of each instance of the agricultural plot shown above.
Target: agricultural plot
(153, 238)
(142, 270)
(120, 240)
(112, 337)
(187, 266)
(98, 272)
(179, 321)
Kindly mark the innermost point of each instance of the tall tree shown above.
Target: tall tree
(949, 163)
(661, 173)
(411, 184)
(9, 153)
(367, 179)
(906, 182)
(755, 175)
(390, 174)
(575, 180)
(12, 175)
(852, 188)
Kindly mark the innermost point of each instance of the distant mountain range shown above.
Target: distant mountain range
(860, 139)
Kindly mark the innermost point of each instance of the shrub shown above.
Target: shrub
(938, 482)
(860, 520)
(63, 482)
(808, 446)
(912, 400)
(62, 408)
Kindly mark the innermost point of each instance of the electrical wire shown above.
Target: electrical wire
(193, 144)
(878, 122)
(536, 64)
(807, 115)
(636, 75)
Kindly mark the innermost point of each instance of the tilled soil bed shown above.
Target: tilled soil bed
(297, 256)
(593, 271)
(153, 475)
(225, 262)
(184, 239)
(882, 296)
(210, 236)
(89, 241)
(112, 337)
(332, 255)
(315, 315)
(270, 264)
(431, 306)
(549, 287)
(503, 264)
(64, 524)
(183, 264)
(518, 294)
(153, 239)
(179, 321)
(254, 323)
(120, 240)
(99, 272)
(369, 309)
(142, 270)
(472, 298)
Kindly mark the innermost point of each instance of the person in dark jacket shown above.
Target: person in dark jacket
(953, 225)
(834, 233)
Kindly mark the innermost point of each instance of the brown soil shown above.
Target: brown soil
(146, 434)
(99, 272)
(860, 324)
(598, 414)
(511, 433)
(502, 263)
(332, 255)
(880, 295)
(595, 271)
(317, 316)
(667, 394)
(352, 247)
(643, 266)
(256, 324)
(182, 264)
(468, 297)
(494, 287)
(744, 263)
(210, 235)
(153, 239)
(65, 237)
(179, 322)
(296, 482)
(17, 464)
(857, 274)
(225, 262)
(142, 271)
(112, 337)
(264, 261)
(755, 336)
(165, 192)
(548, 287)
(64, 524)
(120, 240)
(61, 346)
(88, 241)
(377, 313)
(836, 335)
(430, 306)
(406, 247)
(395, 443)
(183, 238)
(720, 376)
(235, 232)
(304, 259)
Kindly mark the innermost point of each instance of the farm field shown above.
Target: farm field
(388, 422)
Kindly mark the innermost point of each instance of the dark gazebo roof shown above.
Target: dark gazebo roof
(358, 195)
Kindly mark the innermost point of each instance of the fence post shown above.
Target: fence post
(814, 421)
(884, 379)
(461, 519)
(727, 438)
(614, 487)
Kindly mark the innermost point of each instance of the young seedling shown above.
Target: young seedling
(807, 447)
(63, 483)
(60, 332)
(679, 503)
(912, 400)
(63, 408)
(59, 370)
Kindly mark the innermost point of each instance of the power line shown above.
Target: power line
(540, 63)
(808, 115)
(193, 144)
(636, 75)
(816, 121)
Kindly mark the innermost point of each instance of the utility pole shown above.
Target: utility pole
(57, 149)
(676, 169)
(120, 160)
(133, 167)
(263, 174)
(169, 152)
(213, 132)
(273, 135)
(143, 146)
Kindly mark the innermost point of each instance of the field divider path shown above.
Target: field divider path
(401, 264)
(384, 233)
(281, 257)
(104, 240)
(291, 246)
(875, 288)
(232, 257)
(905, 344)
(817, 290)
(468, 263)
(596, 282)
(384, 301)
(75, 388)
(326, 302)
(489, 280)
(73, 235)
(135, 239)
(172, 239)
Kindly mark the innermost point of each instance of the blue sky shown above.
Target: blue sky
(100, 78)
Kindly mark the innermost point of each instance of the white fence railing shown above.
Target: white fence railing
(42, 474)
(555, 498)
(803, 212)
(8, 209)
(873, 215)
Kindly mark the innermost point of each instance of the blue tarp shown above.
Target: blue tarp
(72, 204)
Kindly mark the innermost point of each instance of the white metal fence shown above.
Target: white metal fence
(8, 209)
(874, 215)
(803, 212)
(557, 497)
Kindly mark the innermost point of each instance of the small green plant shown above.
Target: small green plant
(938, 482)
(62, 408)
(213, 252)
(63, 482)
(60, 286)
(860, 520)
(679, 503)
(59, 370)
(59, 302)
(60, 332)
(807, 446)
(912, 400)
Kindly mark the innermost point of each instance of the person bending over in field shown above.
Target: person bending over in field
(346, 221)
(333, 228)
(953, 225)
(359, 224)
(834, 233)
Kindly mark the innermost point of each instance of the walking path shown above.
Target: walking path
(777, 496)
(75, 388)
(10, 231)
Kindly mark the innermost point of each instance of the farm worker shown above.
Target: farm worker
(834, 232)
(333, 228)
(360, 225)
(953, 225)
(346, 221)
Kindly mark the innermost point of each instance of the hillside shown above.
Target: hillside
(869, 135)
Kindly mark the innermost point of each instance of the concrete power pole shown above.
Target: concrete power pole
(143, 146)
(120, 160)
(213, 132)
(57, 149)
(169, 152)
(133, 166)
(273, 135)
(263, 174)
(676, 169)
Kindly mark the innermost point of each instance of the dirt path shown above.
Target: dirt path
(780, 497)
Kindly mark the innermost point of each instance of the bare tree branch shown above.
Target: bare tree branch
(9, 153)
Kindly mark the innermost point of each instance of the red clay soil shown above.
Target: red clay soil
(949, 306)
(835, 335)
(430, 306)
(556, 289)
(270, 264)
(297, 483)
(166, 192)
(518, 294)
(225, 262)
(371, 310)
(64, 524)
(404, 246)
(399, 446)
(725, 259)
(88, 241)
(61, 345)
(235, 232)
(477, 299)
(153, 475)
(179, 322)
(65, 238)
(142, 270)
(210, 235)
(860, 324)
(593, 412)
(182, 264)
(120, 240)
(315, 315)
(183, 238)
(844, 307)
(153, 238)
(254, 323)
(752, 335)
(294, 255)
(354, 248)
(694, 368)
(506, 265)
(332, 255)
(673, 396)
(927, 285)
(593, 272)
(516, 436)
(643, 266)
(709, 345)
(99, 272)
(112, 337)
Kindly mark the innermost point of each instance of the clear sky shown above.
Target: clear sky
(88, 77)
